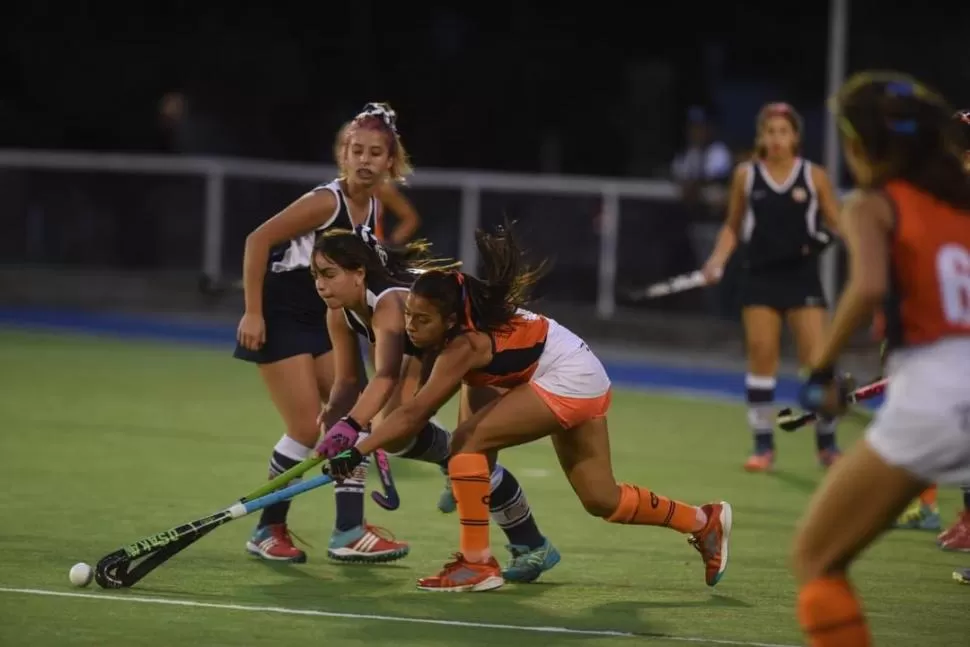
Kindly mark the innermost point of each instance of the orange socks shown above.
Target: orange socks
(831, 616)
(928, 496)
(470, 482)
(645, 508)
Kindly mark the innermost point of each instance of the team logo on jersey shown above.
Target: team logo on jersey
(799, 194)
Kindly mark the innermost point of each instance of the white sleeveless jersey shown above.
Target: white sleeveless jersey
(374, 291)
(297, 253)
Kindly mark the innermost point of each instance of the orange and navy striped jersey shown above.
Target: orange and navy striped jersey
(515, 352)
(929, 295)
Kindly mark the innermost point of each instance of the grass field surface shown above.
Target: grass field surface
(104, 441)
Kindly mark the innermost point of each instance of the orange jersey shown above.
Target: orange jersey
(515, 353)
(929, 295)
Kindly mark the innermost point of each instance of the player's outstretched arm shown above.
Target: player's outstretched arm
(451, 365)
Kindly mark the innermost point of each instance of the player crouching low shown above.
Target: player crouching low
(546, 382)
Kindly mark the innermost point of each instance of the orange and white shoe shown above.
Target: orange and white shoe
(461, 576)
(713, 540)
(760, 462)
(366, 544)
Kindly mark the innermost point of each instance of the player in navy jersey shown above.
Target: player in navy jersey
(389, 198)
(284, 328)
(364, 284)
(775, 217)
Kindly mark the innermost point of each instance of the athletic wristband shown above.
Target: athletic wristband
(353, 423)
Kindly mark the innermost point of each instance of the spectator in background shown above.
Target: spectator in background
(705, 161)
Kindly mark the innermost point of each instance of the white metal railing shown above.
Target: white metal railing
(469, 183)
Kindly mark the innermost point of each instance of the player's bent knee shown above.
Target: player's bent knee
(600, 503)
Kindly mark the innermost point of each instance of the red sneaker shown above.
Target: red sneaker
(462, 575)
(275, 543)
(713, 540)
(764, 462)
(957, 536)
(827, 457)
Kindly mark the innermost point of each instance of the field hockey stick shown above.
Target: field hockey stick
(673, 285)
(284, 479)
(152, 560)
(154, 554)
(787, 420)
(112, 571)
(389, 500)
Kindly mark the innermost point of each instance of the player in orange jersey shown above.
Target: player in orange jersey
(957, 536)
(528, 377)
(364, 285)
(923, 513)
(908, 235)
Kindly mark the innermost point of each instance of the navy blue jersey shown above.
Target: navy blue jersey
(297, 253)
(781, 223)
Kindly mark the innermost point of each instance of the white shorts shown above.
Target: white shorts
(924, 423)
(570, 379)
(568, 367)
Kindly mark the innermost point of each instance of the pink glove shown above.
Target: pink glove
(341, 436)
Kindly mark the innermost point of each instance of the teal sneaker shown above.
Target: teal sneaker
(366, 544)
(446, 501)
(962, 575)
(527, 565)
(919, 517)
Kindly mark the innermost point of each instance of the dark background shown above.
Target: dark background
(476, 85)
(522, 87)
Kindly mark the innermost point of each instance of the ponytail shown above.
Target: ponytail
(488, 303)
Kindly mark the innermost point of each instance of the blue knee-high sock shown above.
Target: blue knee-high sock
(349, 496)
(510, 510)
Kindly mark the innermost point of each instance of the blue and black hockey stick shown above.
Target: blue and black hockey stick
(117, 570)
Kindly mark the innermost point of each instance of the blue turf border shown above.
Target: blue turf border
(702, 381)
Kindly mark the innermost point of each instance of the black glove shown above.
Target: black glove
(814, 394)
(342, 465)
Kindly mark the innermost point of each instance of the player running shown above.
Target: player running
(528, 378)
(364, 286)
(284, 327)
(908, 235)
